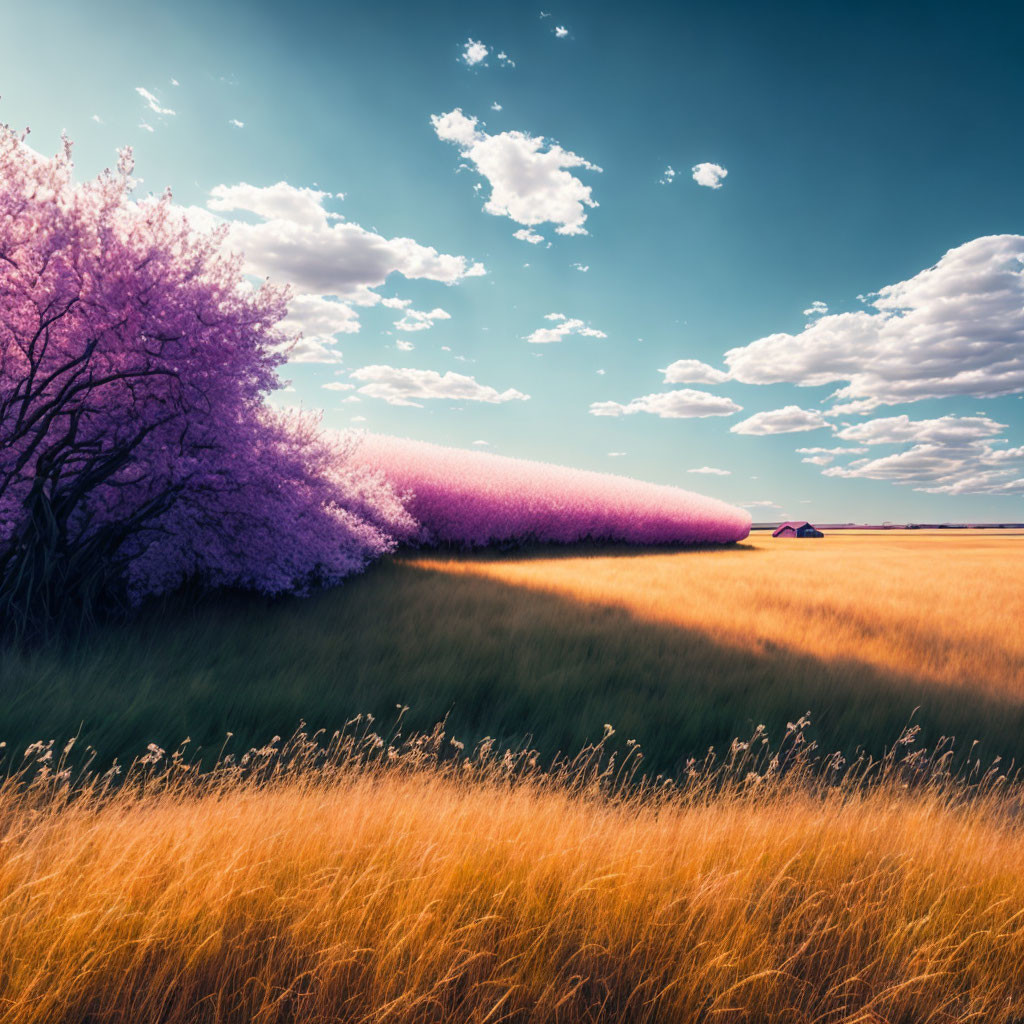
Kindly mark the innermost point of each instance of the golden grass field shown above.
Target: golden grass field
(941, 607)
(413, 882)
(387, 890)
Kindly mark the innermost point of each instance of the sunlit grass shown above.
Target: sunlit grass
(418, 883)
(939, 607)
(654, 642)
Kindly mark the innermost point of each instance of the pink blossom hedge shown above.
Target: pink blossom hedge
(473, 499)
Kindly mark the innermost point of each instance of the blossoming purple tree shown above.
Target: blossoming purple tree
(136, 450)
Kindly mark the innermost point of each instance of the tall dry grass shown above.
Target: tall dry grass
(413, 882)
(939, 607)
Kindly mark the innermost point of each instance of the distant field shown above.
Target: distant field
(941, 608)
(678, 649)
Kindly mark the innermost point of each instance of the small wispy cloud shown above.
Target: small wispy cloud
(153, 103)
(561, 31)
(564, 326)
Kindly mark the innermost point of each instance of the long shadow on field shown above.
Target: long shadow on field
(496, 659)
(540, 552)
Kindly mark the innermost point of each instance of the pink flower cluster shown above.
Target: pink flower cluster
(472, 499)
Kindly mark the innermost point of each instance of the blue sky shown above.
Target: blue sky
(862, 144)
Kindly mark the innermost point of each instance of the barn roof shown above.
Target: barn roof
(792, 526)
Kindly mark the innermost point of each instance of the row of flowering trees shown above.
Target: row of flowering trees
(136, 450)
(473, 499)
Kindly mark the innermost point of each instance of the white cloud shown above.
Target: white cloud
(505, 60)
(787, 420)
(673, 405)
(421, 320)
(474, 52)
(831, 451)
(709, 175)
(303, 206)
(825, 456)
(816, 308)
(338, 385)
(97, 118)
(971, 468)
(529, 183)
(496, 106)
(482, 444)
(562, 329)
(692, 371)
(236, 123)
(404, 346)
(301, 243)
(668, 176)
(319, 319)
(393, 302)
(616, 455)
(947, 455)
(526, 235)
(902, 430)
(399, 386)
(146, 127)
(174, 81)
(561, 31)
(711, 471)
(956, 328)
(153, 103)
(581, 267)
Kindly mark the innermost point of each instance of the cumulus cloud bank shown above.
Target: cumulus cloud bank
(332, 264)
(529, 180)
(954, 329)
(944, 455)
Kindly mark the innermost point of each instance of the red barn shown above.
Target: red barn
(797, 530)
